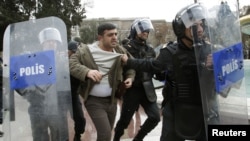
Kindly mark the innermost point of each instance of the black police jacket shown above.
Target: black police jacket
(178, 63)
(141, 50)
(182, 87)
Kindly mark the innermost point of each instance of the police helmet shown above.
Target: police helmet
(49, 34)
(186, 17)
(73, 45)
(139, 26)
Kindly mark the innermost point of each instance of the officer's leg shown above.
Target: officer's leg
(153, 113)
(202, 136)
(129, 106)
(39, 124)
(59, 121)
(168, 130)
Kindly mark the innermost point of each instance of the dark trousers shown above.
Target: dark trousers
(168, 127)
(40, 123)
(50, 117)
(78, 115)
(102, 113)
(134, 97)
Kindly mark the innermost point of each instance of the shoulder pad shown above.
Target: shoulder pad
(172, 47)
(170, 42)
(167, 44)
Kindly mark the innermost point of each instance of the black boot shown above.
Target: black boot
(140, 135)
(77, 137)
(148, 125)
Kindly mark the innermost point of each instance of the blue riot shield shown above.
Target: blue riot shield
(36, 82)
(220, 63)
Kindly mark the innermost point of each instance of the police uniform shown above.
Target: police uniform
(141, 93)
(183, 105)
(177, 63)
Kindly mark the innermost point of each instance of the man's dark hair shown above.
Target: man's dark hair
(105, 26)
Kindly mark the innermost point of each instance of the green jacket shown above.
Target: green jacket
(82, 61)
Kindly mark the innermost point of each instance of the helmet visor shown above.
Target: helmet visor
(192, 15)
(50, 34)
(143, 25)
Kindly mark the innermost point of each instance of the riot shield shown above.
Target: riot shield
(36, 82)
(245, 24)
(219, 57)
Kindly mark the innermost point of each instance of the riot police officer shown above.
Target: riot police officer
(182, 109)
(142, 91)
(48, 104)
